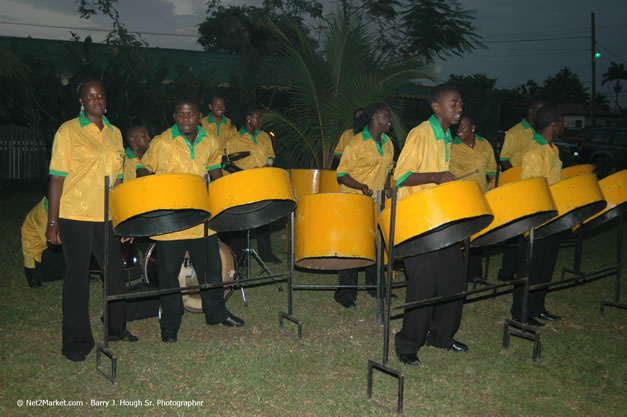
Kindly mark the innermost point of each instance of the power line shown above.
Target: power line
(610, 51)
(538, 39)
(181, 35)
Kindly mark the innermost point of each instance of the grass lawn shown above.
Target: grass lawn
(258, 371)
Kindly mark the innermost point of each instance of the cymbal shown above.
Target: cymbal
(236, 156)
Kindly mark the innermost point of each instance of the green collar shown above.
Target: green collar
(440, 135)
(129, 152)
(211, 120)
(84, 121)
(525, 124)
(366, 135)
(539, 138)
(243, 131)
(201, 134)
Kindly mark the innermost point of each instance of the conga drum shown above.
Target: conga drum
(187, 275)
(614, 189)
(249, 199)
(576, 170)
(158, 204)
(518, 207)
(577, 198)
(437, 218)
(334, 231)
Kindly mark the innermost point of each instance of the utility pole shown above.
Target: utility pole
(593, 115)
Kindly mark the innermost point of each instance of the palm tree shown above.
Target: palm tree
(615, 72)
(326, 85)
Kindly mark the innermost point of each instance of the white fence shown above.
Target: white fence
(22, 155)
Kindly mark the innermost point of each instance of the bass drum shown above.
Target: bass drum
(187, 275)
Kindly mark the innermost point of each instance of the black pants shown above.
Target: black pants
(80, 240)
(51, 268)
(438, 273)
(171, 254)
(540, 272)
(349, 277)
(509, 266)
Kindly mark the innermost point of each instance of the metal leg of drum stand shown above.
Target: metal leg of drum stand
(383, 366)
(619, 266)
(521, 328)
(290, 285)
(104, 348)
(380, 202)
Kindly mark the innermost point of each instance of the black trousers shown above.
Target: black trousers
(171, 254)
(80, 240)
(349, 277)
(438, 273)
(51, 268)
(540, 272)
(509, 266)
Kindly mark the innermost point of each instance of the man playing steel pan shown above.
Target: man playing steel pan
(186, 148)
(422, 164)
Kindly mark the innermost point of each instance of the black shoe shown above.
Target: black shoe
(75, 357)
(128, 337)
(409, 358)
(548, 316)
(168, 336)
(458, 347)
(533, 322)
(232, 321)
(347, 304)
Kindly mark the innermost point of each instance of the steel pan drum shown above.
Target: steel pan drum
(577, 198)
(158, 204)
(509, 175)
(614, 189)
(436, 218)
(305, 181)
(518, 207)
(577, 170)
(328, 181)
(249, 199)
(334, 231)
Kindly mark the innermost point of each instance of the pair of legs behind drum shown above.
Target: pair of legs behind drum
(171, 255)
(347, 296)
(433, 274)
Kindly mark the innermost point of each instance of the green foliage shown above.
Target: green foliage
(326, 85)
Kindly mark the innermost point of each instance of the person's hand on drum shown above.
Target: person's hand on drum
(445, 176)
(366, 190)
(52, 233)
(125, 239)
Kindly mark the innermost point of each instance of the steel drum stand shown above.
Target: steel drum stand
(290, 285)
(612, 269)
(244, 259)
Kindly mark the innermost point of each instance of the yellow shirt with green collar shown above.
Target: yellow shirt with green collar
(170, 152)
(222, 129)
(84, 155)
(427, 149)
(131, 164)
(259, 145)
(34, 234)
(517, 139)
(465, 159)
(345, 138)
(542, 160)
(366, 161)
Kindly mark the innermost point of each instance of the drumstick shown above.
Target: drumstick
(476, 171)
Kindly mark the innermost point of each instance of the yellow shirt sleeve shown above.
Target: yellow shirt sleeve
(34, 234)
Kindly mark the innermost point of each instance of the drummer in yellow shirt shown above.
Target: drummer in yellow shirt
(216, 123)
(186, 148)
(364, 169)
(541, 160)
(42, 263)
(423, 164)
(138, 140)
(254, 140)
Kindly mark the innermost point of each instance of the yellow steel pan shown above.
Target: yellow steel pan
(577, 170)
(334, 231)
(509, 175)
(305, 181)
(518, 207)
(249, 199)
(328, 181)
(614, 189)
(437, 217)
(577, 198)
(158, 204)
